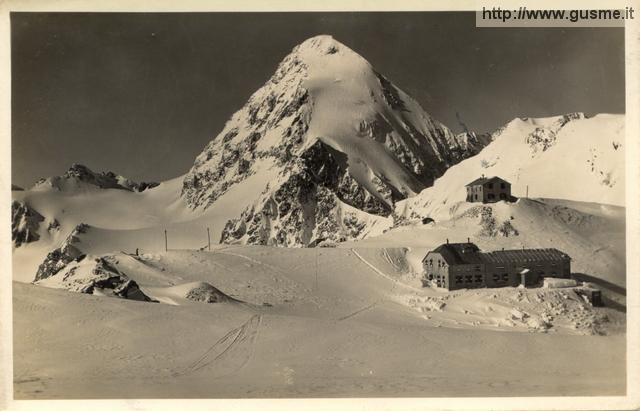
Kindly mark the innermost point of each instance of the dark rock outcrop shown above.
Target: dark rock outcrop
(59, 258)
(205, 292)
(25, 222)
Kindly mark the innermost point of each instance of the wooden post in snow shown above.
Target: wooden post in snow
(527, 196)
(166, 242)
(209, 238)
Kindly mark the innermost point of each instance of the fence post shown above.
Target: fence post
(166, 243)
(209, 238)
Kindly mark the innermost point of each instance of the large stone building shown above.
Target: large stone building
(488, 190)
(462, 265)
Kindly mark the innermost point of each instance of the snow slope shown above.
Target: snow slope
(313, 322)
(566, 157)
(122, 220)
(592, 234)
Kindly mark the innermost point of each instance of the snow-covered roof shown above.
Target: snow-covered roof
(459, 253)
(484, 180)
(526, 255)
(469, 253)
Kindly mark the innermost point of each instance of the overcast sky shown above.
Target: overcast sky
(142, 94)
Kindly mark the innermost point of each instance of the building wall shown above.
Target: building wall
(491, 275)
(508, 275)
(436, 269)
(466, 276)
(494, 192)
(475, 194)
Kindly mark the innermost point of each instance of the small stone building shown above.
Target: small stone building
(462, 265)
(488, 190)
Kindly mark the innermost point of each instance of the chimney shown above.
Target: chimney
(482, 175)
(469, 240)
(447, 241)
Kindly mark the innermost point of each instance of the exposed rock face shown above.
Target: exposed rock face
(59, 258)
(25, 222)
(104, 278)
(79, 173)
(309, 207)
(337, 133)
(490, 226)
(469, 144)
(542, 138)
(53, 226)
(68, 267)
(205, 292)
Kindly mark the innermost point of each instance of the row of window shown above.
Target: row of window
(500, 278)
(469, 279)
(489, 186)
(440, 263)
(492, 196)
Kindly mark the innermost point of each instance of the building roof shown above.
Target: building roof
(526, 255)
(469, 253)
(484, 180)
(459, 253)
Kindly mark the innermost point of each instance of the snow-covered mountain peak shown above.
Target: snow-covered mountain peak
(321, 45)
(552, 123)
(373, 144)
(79, 176)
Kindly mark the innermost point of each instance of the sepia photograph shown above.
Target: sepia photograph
(318, 204)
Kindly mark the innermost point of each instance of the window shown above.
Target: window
(505, 277)
(491, 196)
(458, 279)
(478, 268)
(475, 196)
(430, 276)
(431, 262)
(478, 278)
(496, 277)
(503, 196)
(490, 185)
(468, 278)
(503, 186)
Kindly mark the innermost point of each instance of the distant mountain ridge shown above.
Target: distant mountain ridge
(78, 175)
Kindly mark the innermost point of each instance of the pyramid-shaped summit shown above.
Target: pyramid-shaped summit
(337, 136)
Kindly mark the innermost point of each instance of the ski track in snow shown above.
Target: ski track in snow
(239, 341)
(368, 307)
(258, 262)
(376, 270)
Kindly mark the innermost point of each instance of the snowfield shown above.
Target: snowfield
(355, 328)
